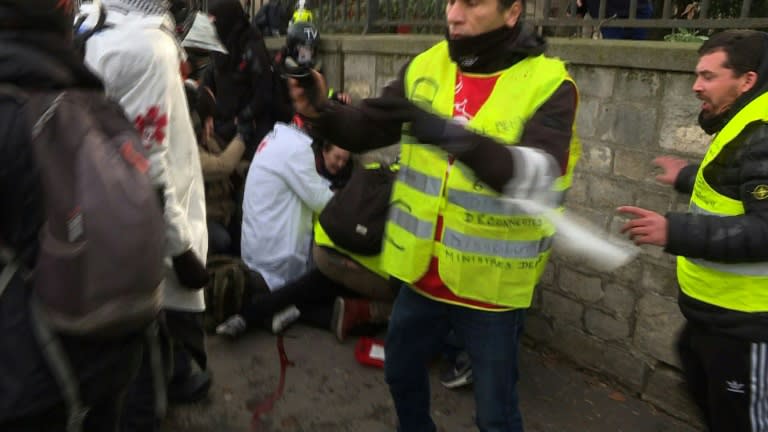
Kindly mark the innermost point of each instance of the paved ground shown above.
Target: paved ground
(326, 390)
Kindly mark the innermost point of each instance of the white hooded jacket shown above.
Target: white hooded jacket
(138, 59)
(282, 191)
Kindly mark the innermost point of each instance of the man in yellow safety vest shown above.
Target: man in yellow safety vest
(721, 242)
(481, 115)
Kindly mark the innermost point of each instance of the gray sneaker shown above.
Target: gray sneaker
(458, 373)
(233, 327)
(284, 318)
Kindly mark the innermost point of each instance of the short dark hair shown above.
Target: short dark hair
(744, 49)
(506, 4)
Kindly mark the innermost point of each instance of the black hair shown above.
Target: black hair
(506, 4)
(744, 49)
(206, 103)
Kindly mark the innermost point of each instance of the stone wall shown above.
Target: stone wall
(635, 103)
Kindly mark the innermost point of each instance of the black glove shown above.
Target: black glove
(394, 108)
(425, 126)
(190, 270)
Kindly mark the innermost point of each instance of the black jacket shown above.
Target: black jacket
(37, 62)
(245, 85)
(737, 172)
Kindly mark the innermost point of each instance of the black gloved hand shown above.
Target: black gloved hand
(425, 126)
(392, 108)
(190, 270)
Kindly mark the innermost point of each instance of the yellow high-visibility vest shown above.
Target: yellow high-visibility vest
(488, 252)
(736, 286)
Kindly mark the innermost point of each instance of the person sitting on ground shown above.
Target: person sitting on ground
(219, 164)
(283, 190)
(345, 291)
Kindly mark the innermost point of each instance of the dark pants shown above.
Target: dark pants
(219, 239)
(180, 340)
(417, 330)
(30, 398)
(633, 33)
(313, 294)
(727, 378)
(103, 394)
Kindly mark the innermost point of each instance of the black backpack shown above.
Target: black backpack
(355, 217)
(100, 263)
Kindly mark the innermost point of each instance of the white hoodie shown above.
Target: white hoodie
(138, 59)
(282, 191)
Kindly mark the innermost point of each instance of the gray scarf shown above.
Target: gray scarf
(147, 7)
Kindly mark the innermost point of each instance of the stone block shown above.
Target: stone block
(619, 300)
(629, 273)
(634, 165)
(659, 279)
(679, 130)
(577, 194)
(538, 327)
(359, 89)
(596, 354)
(628, 124)
(561, 309)
(384, 65)
(605, 326)
(548, 277)
(658, 323)
(658, 202)
(606, 192)
(581, 286)
(332, 69)
(587, 215)
(678, 136)
(655, 252)
(595, 82)
(595, 157)
(637, 84)
(359, 75)
(678, 87)
(666, 388)
(586, 117)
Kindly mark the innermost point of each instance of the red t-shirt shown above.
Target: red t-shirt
(470, 95)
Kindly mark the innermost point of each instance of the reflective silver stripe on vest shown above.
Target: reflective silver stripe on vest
(492, 205)
(498, 248)
(693, 208)
(410, 223)
(745, 269)
(480, 203)
(421, 182)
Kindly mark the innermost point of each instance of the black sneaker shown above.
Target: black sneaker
(458, 373)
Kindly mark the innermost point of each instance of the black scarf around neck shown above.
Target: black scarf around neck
(483, 53)
(713, 124)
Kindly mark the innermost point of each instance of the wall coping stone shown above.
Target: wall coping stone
(652, 55)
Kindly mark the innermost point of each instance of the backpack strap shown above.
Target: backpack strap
(12, 264)
(60, 366)
(82, 36)
(152, 340)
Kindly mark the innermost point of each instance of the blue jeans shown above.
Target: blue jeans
(417, 330)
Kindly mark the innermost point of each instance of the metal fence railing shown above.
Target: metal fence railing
(552, 16)
(559, 17)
